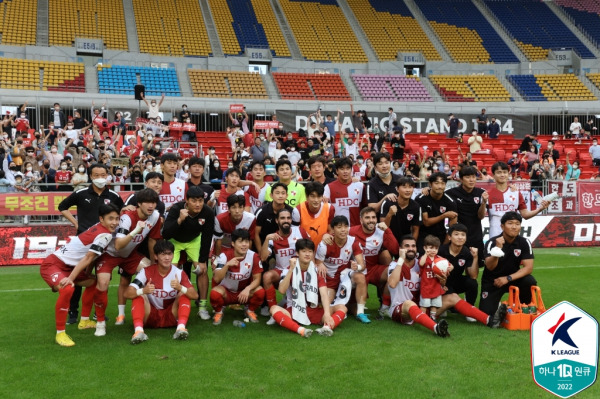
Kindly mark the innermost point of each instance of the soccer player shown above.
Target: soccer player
(403, 216)
(235, 218)
(153, 181)
(403, 280)
(299, 300)
(190, 227)
(436, 207)
(343, 253)
(295, 191)
(314, 215)
(68, 266)
(471, 203)
(316, 166)
(173, 188)
(257, 197)
(282, 244)
(382, 185)
(344, 193)
(237, 275)
(134, 227)
(503, 269)
(502, 199)
(161, 295)
(266, 216)
(197, 166)
(231, 186)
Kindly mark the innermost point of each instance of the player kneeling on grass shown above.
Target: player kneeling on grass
(161, 295)
(237, 273)
(403, 278)
(69, 266)
(304, 288)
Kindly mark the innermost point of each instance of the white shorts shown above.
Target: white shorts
(429, 302)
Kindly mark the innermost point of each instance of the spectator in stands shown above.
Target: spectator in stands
(494, 129)
(573, 171)
(78, 121)
(357, 120)
(331, 124)
(58, 116)
(554, 154)
(568, 135)
(559, 173)
(537, 175)
(215, 174)
(351, 149)
(397, 142)
(515, 164)
(575, 128)
(366, 121)
(482, 123)
(474, 141)
(119, 125)
(258, 151)
(80, 178)
(21, 124)
(280, 132)
(47, 176)
(241, 121)
(484, 176)
(289, 142)
(595, 152)
(413, 168)
(392, 117)
(397, 168)
(6, 186)
(184, 113)
(153, 107)
(453, 125)
(293, 155)
(31, 177)
(590, 128)
(526, 143)
(7, 125)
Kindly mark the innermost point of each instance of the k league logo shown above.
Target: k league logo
(564, 350)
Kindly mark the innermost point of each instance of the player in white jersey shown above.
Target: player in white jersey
(231, 187)
(134, 227)
(235, 218)
(282, 244)
(257, 196)
(343, 253)
(503, 199)
(173, 189)
(161, 296)
(237, 275)
(345, 194)
(402, 279)
(68, 266)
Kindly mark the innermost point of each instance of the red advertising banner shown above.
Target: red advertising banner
(36, 204)
(189, 127)
(568, 231)
(259, 125)
(29, 245)
(175, 127)
(568, 194)
(236, 108)
(589, 198)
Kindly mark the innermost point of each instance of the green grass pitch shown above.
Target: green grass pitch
(380, 360)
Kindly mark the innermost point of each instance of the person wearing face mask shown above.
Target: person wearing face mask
(573, 171)
(87, 201)
(80, 178)
(47, 177)
(184, 113)
(153, 107)
(359, 169)
(63, 177)
(21, 124)
(58, 116)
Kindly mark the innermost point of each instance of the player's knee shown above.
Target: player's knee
(359, 278)
(450, 299)
(102, 283)
(471, 284)
(343, 308)
(215, 295)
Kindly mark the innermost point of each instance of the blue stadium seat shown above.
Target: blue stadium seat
(527, 87)
(120, 79)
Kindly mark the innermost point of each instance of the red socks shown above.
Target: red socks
(466, 309)
(61, 309)
(216, 301)
(286, 322)
(421, 318)
(256, 299)
(87, 300)
(138, 311)
(338, 317)
(183, 312)
(271, 295)
(386, 300)
(101, 302)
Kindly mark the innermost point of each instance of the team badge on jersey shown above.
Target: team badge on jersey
(409, 216)
(106, 201)
(476, 200)
(517, 252)
(54, 277)
(461, 262)
(201, 222)
(442, 209)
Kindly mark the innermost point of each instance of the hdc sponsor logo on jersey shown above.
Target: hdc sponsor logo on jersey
(347, 202)
(564, 350)
(239, 276)
(286, 252)
(335, 261)
(162, 294)
(171, 199)
(503, 207)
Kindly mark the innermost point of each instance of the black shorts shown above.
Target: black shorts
(491, 296)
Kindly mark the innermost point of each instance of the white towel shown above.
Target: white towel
(304, 292)
(344, 290)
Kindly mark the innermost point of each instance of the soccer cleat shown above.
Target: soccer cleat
(441, 329)
(64, 340)
(325, 331)
(470, 319)
(139, 337)
(264, 311)
(100, 329)
(383, 311)
(181, 334)
(73, 316)
(271, 321)
(495, 320)
(252, 316)
(120, 320)
(85, 324)
(196, 270)
(363, 318)
(203, 314)
(217, 318)
(306, 333)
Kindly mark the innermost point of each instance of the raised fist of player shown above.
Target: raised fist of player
(474, 251)
(500, 242)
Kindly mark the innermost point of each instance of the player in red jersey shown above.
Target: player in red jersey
(403, 280)
(235, 218)
(237, 273)
(173, 189)
(161, 296)
(282, 244)
(343, 253)
(68, 266)
(134, 227)
(304, 289)
(231, 186)
(344, 193)
(256, 195)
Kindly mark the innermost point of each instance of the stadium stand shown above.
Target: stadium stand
(94, 19)
(391, 27)
(585, 14)
(224, 24)
(465, 32)
(557, 87)
(227, 84)
(322, 32)
(121, 79)
(266, 17)
(305, 86)
(469, 88)
(391, 88)
(19, 74)
(169, 27)
(18, 22)
(533, 23)
(595, 79)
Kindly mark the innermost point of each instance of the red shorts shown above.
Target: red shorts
(398, 318)
(160, 318)
(374, 274)
(315, 315)
(53, 270)
(127, 266)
